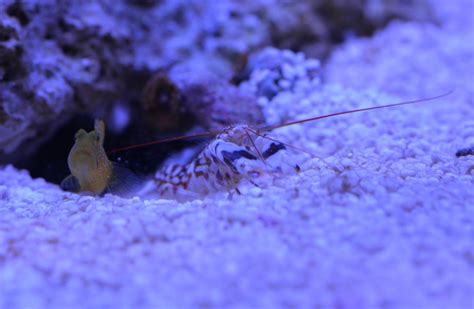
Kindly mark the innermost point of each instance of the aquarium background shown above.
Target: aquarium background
(380, 216)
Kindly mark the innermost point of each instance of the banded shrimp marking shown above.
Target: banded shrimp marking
(236, 153)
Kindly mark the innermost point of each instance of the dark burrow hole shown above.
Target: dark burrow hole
(70, 50)
(49, 161)
(15, 10)
(144, 3)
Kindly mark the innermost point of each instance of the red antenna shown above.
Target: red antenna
(170, 139)
(269, 128)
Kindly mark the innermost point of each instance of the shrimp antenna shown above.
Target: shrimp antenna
(290, 146)
(165, 140)
(269, 128)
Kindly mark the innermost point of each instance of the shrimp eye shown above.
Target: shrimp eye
(97, 137)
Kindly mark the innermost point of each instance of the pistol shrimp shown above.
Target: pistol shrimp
(237, 153)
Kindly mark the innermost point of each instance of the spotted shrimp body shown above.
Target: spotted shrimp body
(238, 153)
